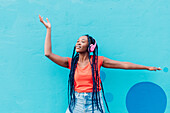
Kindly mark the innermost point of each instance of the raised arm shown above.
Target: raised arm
(62, 61)
(108, 63)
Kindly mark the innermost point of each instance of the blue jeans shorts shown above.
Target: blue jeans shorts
(83, 103)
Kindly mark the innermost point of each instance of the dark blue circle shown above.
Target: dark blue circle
(146, 97)
(109, 97)
(102, 75)
(165, 69)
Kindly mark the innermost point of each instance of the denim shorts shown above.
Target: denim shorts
(83, 103)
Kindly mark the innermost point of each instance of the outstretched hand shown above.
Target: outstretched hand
(47, 24)
(154, 68)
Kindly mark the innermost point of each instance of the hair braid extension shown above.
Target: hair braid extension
(95, 94)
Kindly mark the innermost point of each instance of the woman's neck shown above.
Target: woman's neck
(83, 57)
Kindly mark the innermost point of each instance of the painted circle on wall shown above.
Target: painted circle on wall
(109, 97)
(146, 97)
(102, 75)
(165, 69)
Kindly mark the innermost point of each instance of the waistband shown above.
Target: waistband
(87, 93)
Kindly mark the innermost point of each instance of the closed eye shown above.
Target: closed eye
(82, 41)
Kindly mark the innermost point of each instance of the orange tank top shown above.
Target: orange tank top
(83, 76)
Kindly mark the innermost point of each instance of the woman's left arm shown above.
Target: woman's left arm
(108, 63)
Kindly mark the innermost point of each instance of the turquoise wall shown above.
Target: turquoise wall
(132, 31)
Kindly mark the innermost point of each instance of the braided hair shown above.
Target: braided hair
(94, 67)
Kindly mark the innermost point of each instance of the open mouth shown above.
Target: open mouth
(78, 47)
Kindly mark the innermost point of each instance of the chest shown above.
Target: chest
(83, 65)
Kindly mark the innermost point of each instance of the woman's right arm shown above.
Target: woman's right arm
(62, 61)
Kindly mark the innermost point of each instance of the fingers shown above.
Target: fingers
(41, 18)
(158, 68)
(154, 68)
(48, 20)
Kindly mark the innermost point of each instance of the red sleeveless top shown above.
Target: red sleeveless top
(83, 76)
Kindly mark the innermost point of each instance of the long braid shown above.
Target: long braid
(71, 80)
(94, 83)
(95, 94)
(95, 52)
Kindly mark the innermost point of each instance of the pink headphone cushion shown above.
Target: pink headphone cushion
(92, 47)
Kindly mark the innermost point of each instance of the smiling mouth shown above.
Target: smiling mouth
(78, 47)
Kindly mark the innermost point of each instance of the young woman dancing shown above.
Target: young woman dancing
(84, 84)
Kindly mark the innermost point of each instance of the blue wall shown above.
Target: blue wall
(131, 31)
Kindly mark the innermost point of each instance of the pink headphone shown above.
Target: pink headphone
(92, 47)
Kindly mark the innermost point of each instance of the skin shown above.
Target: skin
(83, 54)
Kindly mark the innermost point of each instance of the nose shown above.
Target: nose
(78, 43)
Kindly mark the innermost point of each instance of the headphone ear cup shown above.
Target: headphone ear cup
(90, 47)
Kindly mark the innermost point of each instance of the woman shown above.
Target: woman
(84, 79)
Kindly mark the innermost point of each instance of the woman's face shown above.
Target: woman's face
(82, 44)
